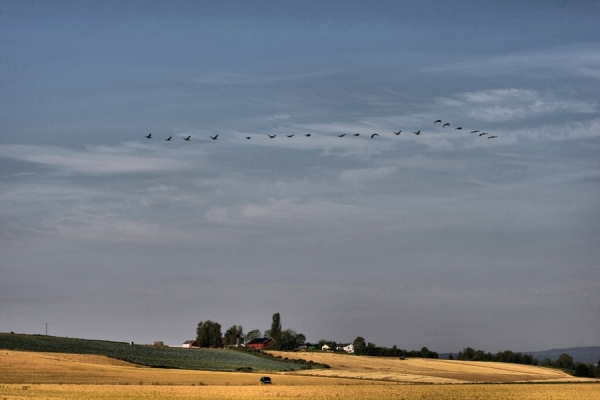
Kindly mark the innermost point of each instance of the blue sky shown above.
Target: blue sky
(444, 240)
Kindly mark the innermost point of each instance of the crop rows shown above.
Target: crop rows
(159, 357)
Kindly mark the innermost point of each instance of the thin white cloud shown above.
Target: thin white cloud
(359, 176)
(514, 104)
(278, 211)
(92, 160)
(232, 78)
(580, 60)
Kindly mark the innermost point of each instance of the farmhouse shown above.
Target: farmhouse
(325, 347)
(348, 347)
(260, 343)
(188, 344)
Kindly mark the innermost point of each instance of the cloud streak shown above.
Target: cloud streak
(92, 160)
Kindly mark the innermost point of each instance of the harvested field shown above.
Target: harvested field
(393, 391)
(423, 370)
(36, 368)
(32, 375)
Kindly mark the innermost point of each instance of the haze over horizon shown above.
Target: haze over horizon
(444, 240)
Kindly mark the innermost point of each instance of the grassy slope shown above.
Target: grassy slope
(162, 357)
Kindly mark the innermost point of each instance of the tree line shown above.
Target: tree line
(208, 334)
(362, 348)
(564, 361)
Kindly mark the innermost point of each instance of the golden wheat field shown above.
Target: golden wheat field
(424, 370)
(31, 375)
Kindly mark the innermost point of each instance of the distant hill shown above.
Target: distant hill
(588, 355)
(158, 357)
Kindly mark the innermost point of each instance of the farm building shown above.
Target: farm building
(348, 348)
(188, 344)
(260, 343)
(325, 347)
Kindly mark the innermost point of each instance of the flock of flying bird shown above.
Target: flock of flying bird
(459, 128)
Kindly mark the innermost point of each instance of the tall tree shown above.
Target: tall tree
(208, 334)
(275, 331)
(234, 336)
(360, 346)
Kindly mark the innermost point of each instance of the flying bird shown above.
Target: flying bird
(271, 136)
(417, 132)
(458, 129)
(484, 133)
(248, 137)
(214, 137)
(397, 133)
(356, 134)
(342, 135)
(491, 137)
(187, 139)
(445, 125)
(307, 135)
(289, 135)
(169, 138)
(474, 131)
(438, 120)
(149, 136)
(373, 135)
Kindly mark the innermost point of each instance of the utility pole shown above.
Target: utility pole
(46, 329)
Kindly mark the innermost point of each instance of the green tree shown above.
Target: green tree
(360, 346)
(275, 331)
(564, 361)
(253, 334)
(208, 334)
(597, 370)
(234, 335)
(583, 370)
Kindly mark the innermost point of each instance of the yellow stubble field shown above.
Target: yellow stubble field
(30, 375)
(424, 370)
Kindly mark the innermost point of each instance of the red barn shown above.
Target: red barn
(260, 343)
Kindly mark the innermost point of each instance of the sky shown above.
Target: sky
(444, 239)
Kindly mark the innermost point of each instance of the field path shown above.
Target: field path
(424, 370)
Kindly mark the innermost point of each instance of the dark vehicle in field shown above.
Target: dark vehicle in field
(265, 380)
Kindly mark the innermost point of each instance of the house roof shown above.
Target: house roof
(189, 342)
(262, 340)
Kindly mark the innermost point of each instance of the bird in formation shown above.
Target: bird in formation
(459, 128)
